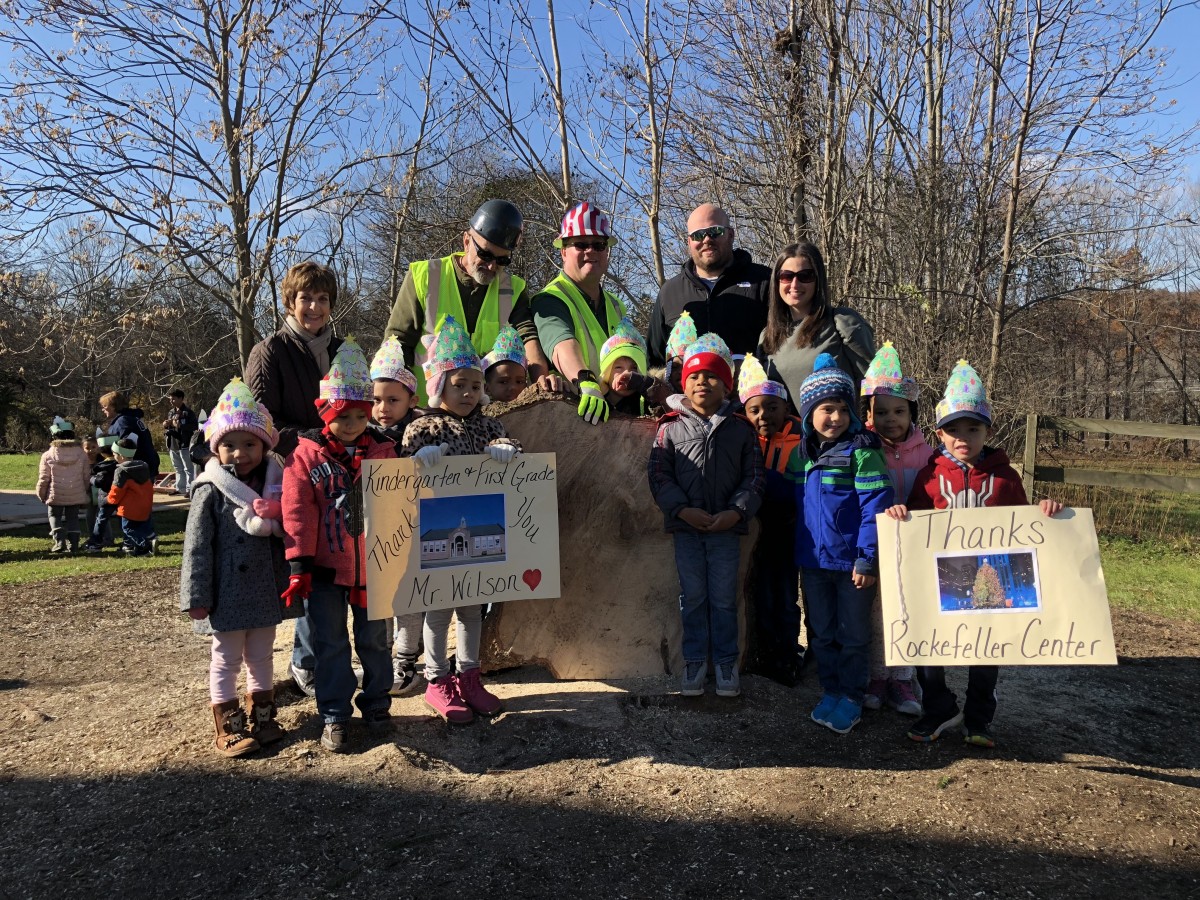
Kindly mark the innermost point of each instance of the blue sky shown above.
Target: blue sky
(1181, 34)
(447, 512)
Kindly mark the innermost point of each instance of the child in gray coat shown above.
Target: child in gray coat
(234, 570)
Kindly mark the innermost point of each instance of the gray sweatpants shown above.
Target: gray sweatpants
(437, 630)
(64, 522)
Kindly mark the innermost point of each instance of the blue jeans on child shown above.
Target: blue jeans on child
(304, 652)
(840, 614)
(335, 679)
(708, 584)
(101, 528)
(138, 534)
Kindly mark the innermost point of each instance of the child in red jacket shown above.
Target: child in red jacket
(323, 525)
(965, 474)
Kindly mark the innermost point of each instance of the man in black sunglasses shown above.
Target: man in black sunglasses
(724, 289)
(474, 286)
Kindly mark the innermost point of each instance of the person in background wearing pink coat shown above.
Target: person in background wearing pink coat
(63, 486)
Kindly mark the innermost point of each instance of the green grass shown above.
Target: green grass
(25, 559)
(1152, 576)
(19, 471)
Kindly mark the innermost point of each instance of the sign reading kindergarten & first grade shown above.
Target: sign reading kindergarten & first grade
(993, 586)
(467, 530)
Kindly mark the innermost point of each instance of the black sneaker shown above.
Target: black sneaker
(930, 726)
(406, 679)
(334, 738)
(378, 719)
(89, 547)
(978, 734)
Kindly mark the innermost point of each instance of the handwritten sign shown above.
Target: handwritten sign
(995, 586)
(467, 530)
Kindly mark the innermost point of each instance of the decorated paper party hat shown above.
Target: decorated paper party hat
(682, 336)
(59, 425)
(349, 376)
(753, 382)
(237, 410)
(389, 363)
(965, 397)
(709, 352)
(625, 341)
(449, 349)
(508, 347)
(884, 376)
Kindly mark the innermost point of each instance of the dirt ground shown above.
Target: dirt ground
(109, 786)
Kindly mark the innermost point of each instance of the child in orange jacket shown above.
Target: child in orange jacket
(132, 493)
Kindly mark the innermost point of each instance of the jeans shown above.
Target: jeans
(64, 520)
(776, 599)
(708, 585)
(840, 615)
(939, 700)
(335, 679)
(182, 461)
(138, 534)
(304, 651)
(466, 649)
(101, 527)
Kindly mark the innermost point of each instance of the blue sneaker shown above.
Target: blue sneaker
(824, 709)
(692, 682)
(845, 716)
(728, 682)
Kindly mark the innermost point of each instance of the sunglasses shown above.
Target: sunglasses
(581, 246)
(804, 276)
(487, 256)
(713, 231)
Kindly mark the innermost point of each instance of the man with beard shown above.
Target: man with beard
(723, 289)
(475, 287)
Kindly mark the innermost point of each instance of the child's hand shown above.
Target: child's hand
(863, 581)
(267, 509)
(724, 520)
(200, 612)
(621, 382)
(299, 587)
(1051, 507)
(899, 512)
(697, 518)
(501, 453)
(431, 455)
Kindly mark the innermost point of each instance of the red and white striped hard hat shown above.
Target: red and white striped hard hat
(585, 220)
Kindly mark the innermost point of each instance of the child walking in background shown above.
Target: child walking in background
(963, 474)
(455, 425)
(706, 476)
(323, 541)
(776, 575)
(393, 410)
(505, 372)
(233, 568)
(841, 485)
(132, 493)
(101, 479)
(622, 366)
(890, 409)
(62, 485)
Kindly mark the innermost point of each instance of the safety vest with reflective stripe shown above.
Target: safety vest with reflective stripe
(437, 290)
(588, 330)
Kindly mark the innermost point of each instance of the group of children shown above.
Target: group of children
(817, 482)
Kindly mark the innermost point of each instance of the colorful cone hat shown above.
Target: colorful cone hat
(682, 336)
(753, 382)
(508, 347)
(709, 352)
(450, 349)
(625, 341)
(349, 376)
(237, 410)
(965, 397)
(884, 376)
(389, 363)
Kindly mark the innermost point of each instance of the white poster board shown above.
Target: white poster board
(467, 530)
(994, 586)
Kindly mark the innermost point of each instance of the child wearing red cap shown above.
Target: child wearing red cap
(706, 475)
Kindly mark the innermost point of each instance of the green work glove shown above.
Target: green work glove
(593, 408)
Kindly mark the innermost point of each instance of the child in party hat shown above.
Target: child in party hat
(889, 407)
(706, 476)
(101, 478)
(454, 424)
(234, 570)
(841, 485)
(622, 367)
(964, 474)
(683, 335)
(394, 391)
(777, 578)
(505, 372)
(62, 485)
(323, 526)
(132, 493)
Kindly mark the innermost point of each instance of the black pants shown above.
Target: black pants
(939, 700)
(776, 597)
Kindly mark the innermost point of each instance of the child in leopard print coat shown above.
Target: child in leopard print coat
(455, 425)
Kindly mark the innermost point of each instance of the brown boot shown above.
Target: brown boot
(260, 716)
(232, 739)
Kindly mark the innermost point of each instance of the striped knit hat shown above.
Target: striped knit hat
(827, 382)
(585, 220)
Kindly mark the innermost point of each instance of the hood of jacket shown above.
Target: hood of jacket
(134, 470)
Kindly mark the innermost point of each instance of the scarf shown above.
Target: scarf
(352, 462)
(242, 496)
(317, 345)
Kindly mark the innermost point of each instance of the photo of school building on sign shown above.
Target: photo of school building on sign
(477, 538)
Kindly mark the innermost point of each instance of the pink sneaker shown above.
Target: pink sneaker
(902, 698)
(876, 691)
(479, 698)
(442, 696)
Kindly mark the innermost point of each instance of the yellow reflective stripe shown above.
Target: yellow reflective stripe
(588, 330)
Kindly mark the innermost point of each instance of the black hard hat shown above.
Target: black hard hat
(499, 222)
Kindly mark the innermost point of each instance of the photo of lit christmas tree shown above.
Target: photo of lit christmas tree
(988, 593)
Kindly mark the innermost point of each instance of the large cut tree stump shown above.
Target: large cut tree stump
(618, 616)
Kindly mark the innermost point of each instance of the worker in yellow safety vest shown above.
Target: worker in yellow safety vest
(475, 287)
(574, 315)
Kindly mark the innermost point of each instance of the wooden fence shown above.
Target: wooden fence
(1106, 477)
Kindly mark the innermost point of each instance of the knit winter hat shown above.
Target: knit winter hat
(237, 410)
(965, 398)
(60, 425)
(885, 378)
(709, 352)
(682, 336)
(508, 347)
(625, 341)
(347, 384)
(827, 382)
(389, 364)
(448, 350)
(753, 382)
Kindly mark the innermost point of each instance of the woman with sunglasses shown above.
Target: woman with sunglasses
(802, 324)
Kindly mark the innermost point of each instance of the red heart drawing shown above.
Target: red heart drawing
(532, 577)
